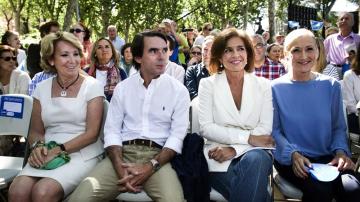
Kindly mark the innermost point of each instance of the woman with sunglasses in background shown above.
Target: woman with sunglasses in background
(12, 39)
(83, 34)
(12, 81)
(195, 56)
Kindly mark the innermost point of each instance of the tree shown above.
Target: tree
(17, 6)
(7, 12)
(70, 10)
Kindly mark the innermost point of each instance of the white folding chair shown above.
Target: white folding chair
(15, 115)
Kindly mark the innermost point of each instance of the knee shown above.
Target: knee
(85, 190)
(18, 193)
(257, 158)
(41, 192)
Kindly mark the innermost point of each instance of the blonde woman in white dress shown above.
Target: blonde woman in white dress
(67, 109)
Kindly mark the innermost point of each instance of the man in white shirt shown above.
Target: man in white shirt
(145, 128)
(115, 39)
(173, 69)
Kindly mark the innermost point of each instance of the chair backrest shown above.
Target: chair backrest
(195, 125)
(105, 110)
(15, 114)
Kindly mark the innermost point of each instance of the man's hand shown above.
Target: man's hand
(125, 185)
(342, 162)
(299, 163)
(140, 173)
(222, 154)
(261, 141)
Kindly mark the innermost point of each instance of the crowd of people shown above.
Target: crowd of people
(260, 104)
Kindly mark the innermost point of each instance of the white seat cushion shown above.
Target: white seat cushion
(286, 188)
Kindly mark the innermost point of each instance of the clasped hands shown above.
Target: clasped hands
(222, 154)
(300, 164)
(41, 155)
(134, 176)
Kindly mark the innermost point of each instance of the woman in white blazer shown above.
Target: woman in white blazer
(235, 115)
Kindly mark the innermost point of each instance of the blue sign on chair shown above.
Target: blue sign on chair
(11, 106)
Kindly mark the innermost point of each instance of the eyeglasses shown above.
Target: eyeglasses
(259, 45)
(208, 29)
(8, 58)
(77, 30)
(196, 53)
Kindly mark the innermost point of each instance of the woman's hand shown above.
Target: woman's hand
(299, 164)
(261, 141)
(342, 162)
(52, 153)
(38, 156)
(222, 154)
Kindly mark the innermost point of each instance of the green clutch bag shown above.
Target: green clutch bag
(61, 159)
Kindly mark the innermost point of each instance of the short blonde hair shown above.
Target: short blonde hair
(294, 35)
(48, 44)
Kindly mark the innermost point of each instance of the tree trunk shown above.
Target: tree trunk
(245, 16)
(70, 10)
(105, 15)
(271, 16)
(17, 7)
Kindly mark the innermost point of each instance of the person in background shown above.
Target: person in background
(206, 29)
(264, 67)
(172, 68)
(33, 59)
(67, 112)
(12, 80)
(126, 62)
(266, 36)
(195, 73)
(309, 125)
(195, 56)
(105, 66)
(12, 39)
(232, 121)
(335, 44)
(114, 38)
(321, 65)
(351, 94)
(331, 30)
(279, 38)
(83, 33)
(274, 52)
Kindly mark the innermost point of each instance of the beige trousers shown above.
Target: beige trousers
(100, 185)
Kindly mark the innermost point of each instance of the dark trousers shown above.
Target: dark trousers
(353, 123)
(345, 188)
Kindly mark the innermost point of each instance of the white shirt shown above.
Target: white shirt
(159, 112)
(176, 71)
(351, 91)
(101, 76)
(118, 43)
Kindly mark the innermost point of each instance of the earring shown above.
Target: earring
(221, 65)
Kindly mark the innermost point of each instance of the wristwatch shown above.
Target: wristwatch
(155, 165)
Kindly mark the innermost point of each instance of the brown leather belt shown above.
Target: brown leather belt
(143, 142)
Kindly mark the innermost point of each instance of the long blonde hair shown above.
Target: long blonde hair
(321, 61)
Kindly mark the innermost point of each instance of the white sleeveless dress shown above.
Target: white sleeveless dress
(65, 119)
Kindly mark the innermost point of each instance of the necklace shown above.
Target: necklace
(63, 92)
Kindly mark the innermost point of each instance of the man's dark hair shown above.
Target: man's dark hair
(45, 28)
(124, 47)
(137, 45)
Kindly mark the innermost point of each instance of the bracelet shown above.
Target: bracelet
(37, 144)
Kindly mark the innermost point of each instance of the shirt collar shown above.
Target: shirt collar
(153, 81)
(340, 37)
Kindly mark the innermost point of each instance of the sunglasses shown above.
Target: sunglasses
(259, 45)
(77, 30)
(196, 53)
(208, 29)
(8, 58)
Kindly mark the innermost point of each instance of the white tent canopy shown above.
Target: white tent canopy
(344, 6)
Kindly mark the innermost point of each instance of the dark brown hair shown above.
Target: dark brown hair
(219, 45)
(355, 65)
